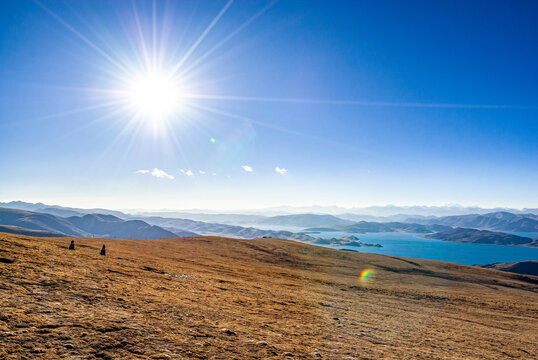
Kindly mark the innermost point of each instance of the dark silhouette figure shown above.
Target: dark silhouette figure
(72, 245)
(103, 251)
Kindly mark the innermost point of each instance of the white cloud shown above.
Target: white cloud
(161, 174)
(281, 170)
(201, 172)
(186, 172)
(247, 168)
(142, 171)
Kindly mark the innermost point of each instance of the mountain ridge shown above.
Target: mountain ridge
(522, 267)
(474, 236)
(90, 225)
(500, 221)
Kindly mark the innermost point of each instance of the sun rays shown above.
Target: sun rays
(157, 83)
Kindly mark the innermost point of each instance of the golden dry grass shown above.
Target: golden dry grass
(278, 299)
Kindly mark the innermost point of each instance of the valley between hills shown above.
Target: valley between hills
(221, 298)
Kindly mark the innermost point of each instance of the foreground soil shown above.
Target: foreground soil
(217, 298)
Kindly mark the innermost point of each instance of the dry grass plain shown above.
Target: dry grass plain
(175, 298)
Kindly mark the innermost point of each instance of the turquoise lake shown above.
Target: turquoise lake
(415, 246)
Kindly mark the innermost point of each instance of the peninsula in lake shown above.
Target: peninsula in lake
(474, 236)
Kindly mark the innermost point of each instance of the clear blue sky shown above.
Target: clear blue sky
(355, 102)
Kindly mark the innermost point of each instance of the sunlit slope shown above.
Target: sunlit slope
(217, 298)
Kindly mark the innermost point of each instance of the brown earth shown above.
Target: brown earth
(217, 298)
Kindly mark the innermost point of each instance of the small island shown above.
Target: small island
(343, 241)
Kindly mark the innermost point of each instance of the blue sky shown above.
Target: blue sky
(356, 103)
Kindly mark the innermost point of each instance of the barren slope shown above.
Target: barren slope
(172, 298)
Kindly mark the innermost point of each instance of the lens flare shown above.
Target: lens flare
(213, 140)
(365, 275)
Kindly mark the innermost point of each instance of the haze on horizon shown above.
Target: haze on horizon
(248, 105)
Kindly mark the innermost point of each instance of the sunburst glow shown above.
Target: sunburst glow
(154, 95)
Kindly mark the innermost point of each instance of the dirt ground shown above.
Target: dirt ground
(218, 298)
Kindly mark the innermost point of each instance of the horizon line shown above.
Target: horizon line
(282, 207)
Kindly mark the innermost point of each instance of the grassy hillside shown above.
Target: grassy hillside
(215, 298)
(23, 231)
(522, 267)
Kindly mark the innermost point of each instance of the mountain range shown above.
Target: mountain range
(105, 223)
(214, 229)
(90, 225)
(370, 213)
(26, 222)
(57, 210)
(372, 227)
(305, 220)
(500, 221)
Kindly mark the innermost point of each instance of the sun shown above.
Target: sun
(154, 95)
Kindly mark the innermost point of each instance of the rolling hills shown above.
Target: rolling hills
(91, 225)
(218, 298)
(522, 267)
(23, 231)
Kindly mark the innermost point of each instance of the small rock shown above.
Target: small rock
(261, 343)
(69, 346)
(228, 331)
(287, 353)
(8, 333)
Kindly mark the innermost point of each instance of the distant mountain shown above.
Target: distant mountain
(92, 225)
(22, 231)
(58, 210)
(374, 227)
(522, 267)
(229, 219)
(390, 218)
(389, 210)
(214, 229)
(110, 226)
(501, 221)
(21, 205)
(482, 237)
(305, 220)
(39, 221)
